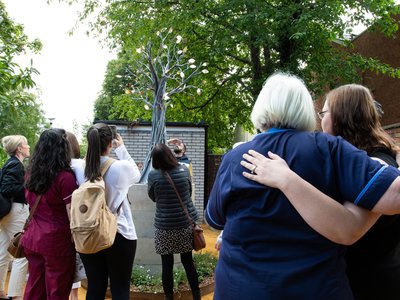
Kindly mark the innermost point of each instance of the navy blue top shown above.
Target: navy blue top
(268, 250)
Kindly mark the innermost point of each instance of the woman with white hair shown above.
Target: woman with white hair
(12, 187)
(373, 261)
(269, 251)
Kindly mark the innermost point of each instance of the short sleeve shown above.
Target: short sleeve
(376, 187)
(360, 179)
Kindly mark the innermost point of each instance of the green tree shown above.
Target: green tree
(245, 41)
(13, 42)
(20, 111)
(25, 118)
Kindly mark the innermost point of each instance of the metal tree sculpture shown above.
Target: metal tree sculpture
(157, 76)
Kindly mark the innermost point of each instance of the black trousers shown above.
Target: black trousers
(167, 272)
(114, 263)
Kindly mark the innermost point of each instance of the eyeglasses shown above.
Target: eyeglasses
(321, 114)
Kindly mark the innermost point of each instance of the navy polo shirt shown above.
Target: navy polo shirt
(268, 250)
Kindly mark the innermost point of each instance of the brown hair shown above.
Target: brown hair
(163, 158)
(355, 118)
(74, 145)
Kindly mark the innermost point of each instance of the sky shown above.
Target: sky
(71, 68)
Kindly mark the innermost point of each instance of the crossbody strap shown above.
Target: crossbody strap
(32, 212)
(106, 165)
(179, 197)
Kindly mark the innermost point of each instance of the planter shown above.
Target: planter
(206, 287)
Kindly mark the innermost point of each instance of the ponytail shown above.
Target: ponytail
(99, 136)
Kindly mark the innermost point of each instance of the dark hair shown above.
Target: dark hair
(99, 137)
(379, 108)
(356, 119)
(74, 145)
(163, 158)
(50, 156)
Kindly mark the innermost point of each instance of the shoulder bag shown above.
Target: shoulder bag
(199, 241)
(14, 247)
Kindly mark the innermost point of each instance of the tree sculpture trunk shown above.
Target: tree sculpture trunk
(158, 132)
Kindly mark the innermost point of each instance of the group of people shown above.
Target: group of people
(54, 171)
(291, 200)
(301, 210)
(49, 250)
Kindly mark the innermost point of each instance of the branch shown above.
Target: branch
(199, 107)
(143, 99)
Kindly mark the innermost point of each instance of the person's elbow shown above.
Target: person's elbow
(348, 239)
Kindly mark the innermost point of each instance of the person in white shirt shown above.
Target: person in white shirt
(115, 263)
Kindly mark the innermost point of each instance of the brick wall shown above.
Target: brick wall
(385, 89)
(213, 164)
(394, 131)
(137, 140)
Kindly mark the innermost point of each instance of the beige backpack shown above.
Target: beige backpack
(93, 225)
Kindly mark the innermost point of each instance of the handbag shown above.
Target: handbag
(199, 242)
(15, 247)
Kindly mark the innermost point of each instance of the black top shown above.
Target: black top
(12, 183)
(169, 211)
(373, 262)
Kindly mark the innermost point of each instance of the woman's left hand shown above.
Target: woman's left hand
(273, 171)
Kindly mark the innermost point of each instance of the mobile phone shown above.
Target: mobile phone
(113, 130)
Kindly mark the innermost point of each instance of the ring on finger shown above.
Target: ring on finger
(254, 170)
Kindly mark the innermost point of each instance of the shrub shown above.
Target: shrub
(144, 281)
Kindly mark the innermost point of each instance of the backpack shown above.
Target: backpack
(93, 225)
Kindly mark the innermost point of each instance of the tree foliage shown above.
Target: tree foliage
(245, 41)
(20, 111)
(14, 42)
(24, 117)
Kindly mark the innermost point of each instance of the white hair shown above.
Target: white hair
(284, 102)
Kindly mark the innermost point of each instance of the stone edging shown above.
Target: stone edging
(180, 295)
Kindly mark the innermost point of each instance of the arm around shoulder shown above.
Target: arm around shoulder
(318, 210)
(389, 203)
